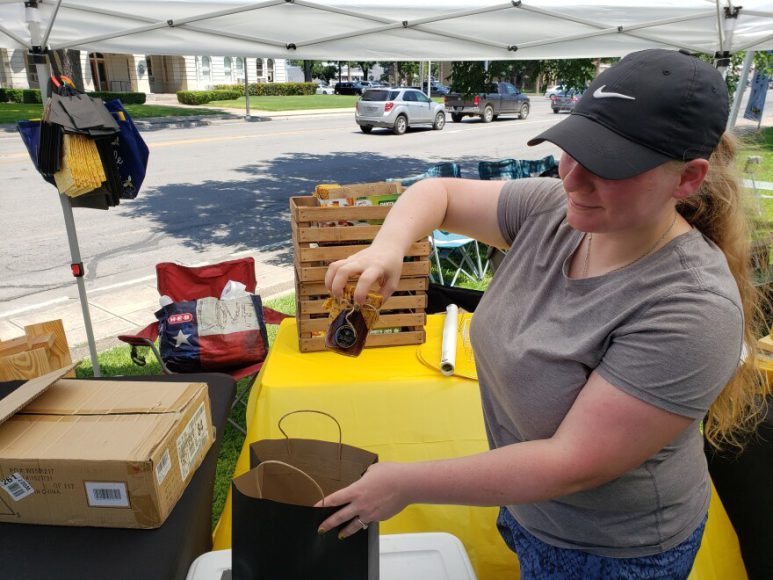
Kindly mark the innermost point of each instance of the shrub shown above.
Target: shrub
(30, 96)
(13, 95)
(202, 97)
(273, 89)
(126, 98)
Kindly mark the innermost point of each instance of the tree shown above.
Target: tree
(365, 65)
(408, 70)
(471, 77)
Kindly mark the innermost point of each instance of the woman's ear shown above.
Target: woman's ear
(691, 177)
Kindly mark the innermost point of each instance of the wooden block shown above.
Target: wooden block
(26, 365)
(41, 350)
(60, 350)
(25, 343)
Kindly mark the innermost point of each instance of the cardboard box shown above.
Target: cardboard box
(101, 453)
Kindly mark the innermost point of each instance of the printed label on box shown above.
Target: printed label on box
(107, 494)
(163, 467)
(17, 487)
(191, 440)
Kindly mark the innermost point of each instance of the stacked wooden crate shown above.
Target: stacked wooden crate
(322, 235)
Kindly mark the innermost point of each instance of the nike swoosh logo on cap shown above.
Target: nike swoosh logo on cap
(600, 94)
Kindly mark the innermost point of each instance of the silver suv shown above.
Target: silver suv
(397, 108)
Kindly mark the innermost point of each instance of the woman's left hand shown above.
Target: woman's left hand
(378, 495)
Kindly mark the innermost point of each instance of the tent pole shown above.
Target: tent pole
(72, 239)
(246, 92)
(740, 89)
(44, 72)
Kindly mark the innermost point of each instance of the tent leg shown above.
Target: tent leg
(246, 91)
(44, 72)
(740, 89)
(72, 239)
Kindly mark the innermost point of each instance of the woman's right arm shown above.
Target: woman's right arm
(464, 206)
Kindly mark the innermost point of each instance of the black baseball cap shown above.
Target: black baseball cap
(651, 107)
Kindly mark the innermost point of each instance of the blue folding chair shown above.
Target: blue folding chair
(518, 168)
(459, 251)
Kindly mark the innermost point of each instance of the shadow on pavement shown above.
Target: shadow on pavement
(253, 213)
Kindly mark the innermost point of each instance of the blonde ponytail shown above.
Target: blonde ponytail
(718, 211)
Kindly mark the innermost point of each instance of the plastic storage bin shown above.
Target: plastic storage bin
(428, 556)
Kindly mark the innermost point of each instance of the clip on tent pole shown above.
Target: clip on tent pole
(43, 70)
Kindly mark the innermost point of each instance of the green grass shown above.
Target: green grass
(291, 102)
(759, 143)
(12, 112)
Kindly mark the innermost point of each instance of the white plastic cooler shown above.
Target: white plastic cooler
(428, 556)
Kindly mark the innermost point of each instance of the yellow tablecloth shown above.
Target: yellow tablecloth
(389, 402)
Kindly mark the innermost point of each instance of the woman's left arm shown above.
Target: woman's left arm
(606, 433)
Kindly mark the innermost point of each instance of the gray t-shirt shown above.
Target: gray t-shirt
(666, 329)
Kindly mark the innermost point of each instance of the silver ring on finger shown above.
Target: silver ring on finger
(363, 524)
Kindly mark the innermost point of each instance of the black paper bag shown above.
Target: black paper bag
(274, 534)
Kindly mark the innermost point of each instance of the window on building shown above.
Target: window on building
(259, 67)
(270, 67)
(98, 71)
(227, 72)
(239, 69)
(206, 69)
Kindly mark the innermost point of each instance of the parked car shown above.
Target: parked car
(437, 88)
(565, 100)
(324, 89)
(397, 108)
(493, 100)
(348, 88)
(553, 90)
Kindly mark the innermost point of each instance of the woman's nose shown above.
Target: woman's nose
(574, 175)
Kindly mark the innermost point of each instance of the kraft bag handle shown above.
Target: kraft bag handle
(340, 435)
(282, 463)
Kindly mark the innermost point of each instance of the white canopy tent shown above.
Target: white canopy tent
(392, 30)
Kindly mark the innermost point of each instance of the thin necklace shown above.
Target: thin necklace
(644, 255)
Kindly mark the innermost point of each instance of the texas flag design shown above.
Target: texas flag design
(211, 334)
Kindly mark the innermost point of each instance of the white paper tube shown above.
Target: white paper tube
(448, 348)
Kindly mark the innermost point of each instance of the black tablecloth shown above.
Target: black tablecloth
(30, 552)
(745, 485)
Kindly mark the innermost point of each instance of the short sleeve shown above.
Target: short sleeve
(679, 354)
(521, 198)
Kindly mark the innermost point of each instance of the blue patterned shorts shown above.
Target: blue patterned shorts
(540, 561)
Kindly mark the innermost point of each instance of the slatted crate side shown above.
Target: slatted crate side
(317, 246)
(304, 256)
(317, 273)
(317, 343)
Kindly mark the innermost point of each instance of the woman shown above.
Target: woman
(614, 324)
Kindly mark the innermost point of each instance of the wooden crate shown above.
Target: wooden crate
(403, 315)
